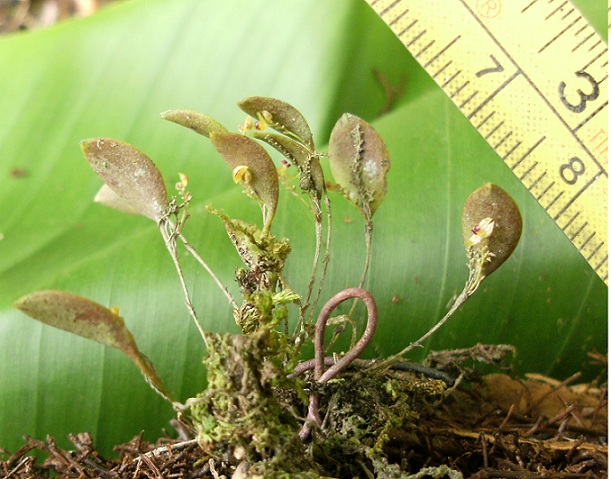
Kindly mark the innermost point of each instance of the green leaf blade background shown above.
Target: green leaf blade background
(112, 74)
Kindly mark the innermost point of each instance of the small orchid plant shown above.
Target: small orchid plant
(246, 371)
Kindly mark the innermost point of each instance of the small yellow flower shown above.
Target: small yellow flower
(246, 126)
(241, 174)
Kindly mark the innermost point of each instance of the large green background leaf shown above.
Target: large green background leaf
(111, 75)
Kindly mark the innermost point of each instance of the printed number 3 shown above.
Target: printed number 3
(583, 97)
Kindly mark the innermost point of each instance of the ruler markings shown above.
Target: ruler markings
(528, 152)
(485, 120)
(468, 99)
(424, 49)
(442, 51)
(451, 79)
(602, 53)
(595, 250)
(537, 181)
(582, 42)
(527, 172)
(573, 218)
(460, 89)
(503, 140)
(556, 10)
(529, 5)
(559, 34)
(440, 71)
(416, 38)
(555, 200)
(596, 43)
(398, 17)
(407, 29)
(588, 239)
(585, 27)
(510, 151)
(530, 81)
(588, 118)
(563, 172)
(575, 196)
(490, 97)
(544, 192)
(579, 230)
(602, 265)
(494, 129)
(390, 7)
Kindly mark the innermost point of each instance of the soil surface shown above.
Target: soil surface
(496, 426)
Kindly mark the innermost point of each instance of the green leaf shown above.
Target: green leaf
(94, 77)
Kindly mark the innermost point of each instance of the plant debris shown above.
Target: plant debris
(393, 424)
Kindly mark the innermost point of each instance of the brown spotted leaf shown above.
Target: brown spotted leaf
(487, 204)
(198, 122)
(359, 162)
(130, 174)
(90, 320)
(240, 151)
(281, 116)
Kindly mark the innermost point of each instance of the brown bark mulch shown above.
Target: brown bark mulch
(496, 427)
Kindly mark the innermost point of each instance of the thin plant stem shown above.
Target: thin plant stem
(476, 276)
(368, 249)
(460, 300)
(325, 260)
(170, 242)
(318, 228)
(201, 261)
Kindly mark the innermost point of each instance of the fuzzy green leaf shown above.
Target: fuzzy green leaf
(130, 174)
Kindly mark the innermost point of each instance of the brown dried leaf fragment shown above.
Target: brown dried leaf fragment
(90, 320)
(130, 174)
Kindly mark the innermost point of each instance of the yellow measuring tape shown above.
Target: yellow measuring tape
(531, 76)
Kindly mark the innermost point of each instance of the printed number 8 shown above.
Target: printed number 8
(572, 170)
